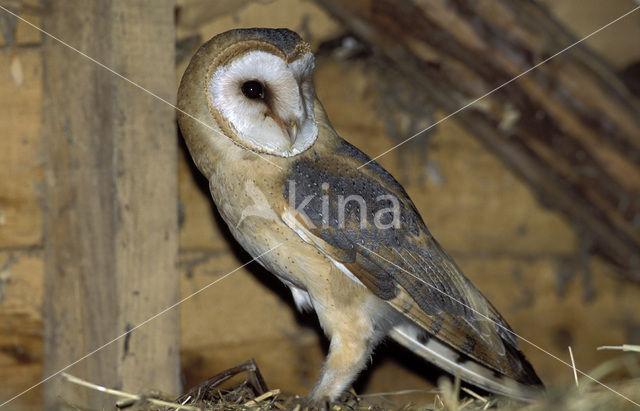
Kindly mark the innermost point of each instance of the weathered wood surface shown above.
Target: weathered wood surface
(110, 199)
(569, 127)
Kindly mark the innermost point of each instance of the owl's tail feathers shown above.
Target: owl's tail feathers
(467, 369)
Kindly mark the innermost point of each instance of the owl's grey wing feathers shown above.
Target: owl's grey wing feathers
(401, 264)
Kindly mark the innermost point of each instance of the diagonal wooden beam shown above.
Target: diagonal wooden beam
(569, 128)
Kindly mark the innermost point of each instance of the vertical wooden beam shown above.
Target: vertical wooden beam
(110, 199)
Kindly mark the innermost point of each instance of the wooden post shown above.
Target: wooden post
(569, 128)
(111, 234)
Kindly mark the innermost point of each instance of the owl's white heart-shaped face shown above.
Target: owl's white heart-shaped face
(266, 101)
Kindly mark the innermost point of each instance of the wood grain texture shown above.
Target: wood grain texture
(569, 128)
(21, 170)
(110, 199)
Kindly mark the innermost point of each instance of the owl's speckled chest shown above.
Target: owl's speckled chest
(249, 196)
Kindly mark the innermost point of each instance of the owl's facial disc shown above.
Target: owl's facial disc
(267, 102)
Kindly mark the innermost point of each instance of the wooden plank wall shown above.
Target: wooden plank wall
(21, 171)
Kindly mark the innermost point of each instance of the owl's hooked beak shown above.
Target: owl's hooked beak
(292, 130)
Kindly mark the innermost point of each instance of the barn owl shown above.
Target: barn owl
(347, 241)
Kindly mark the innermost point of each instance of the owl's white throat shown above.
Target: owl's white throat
(280, 123)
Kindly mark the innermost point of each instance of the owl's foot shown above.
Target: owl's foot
(346, 401)
(307, 404)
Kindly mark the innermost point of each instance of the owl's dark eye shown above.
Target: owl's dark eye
(253, 89)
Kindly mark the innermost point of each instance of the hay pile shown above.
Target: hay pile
(243, 388)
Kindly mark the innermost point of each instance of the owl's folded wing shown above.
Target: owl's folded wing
(405, 266)
(424, 284)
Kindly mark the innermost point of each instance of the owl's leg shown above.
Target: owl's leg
(355, 321)
(350, 347)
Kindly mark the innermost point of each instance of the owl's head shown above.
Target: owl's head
(258, 89)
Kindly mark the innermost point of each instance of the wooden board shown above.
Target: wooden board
(110, 199)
